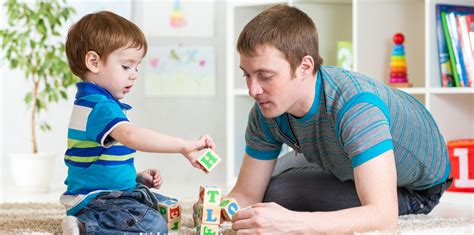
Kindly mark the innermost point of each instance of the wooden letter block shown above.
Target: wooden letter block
(209, 159)
(211, 215)
(170, 210)
(174, 225)
(207, 229)
(209, 195)
(229, 207)
(198, 220)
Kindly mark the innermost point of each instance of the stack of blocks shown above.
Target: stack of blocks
(398, 65)
(211, 209)
(171, 211)
(209, 160)
(208, 211)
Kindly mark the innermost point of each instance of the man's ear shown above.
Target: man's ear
(92, 60)
(306, 67)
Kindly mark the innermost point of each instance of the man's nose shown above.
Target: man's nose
(255, 88)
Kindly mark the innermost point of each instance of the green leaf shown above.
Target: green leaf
(28, 97)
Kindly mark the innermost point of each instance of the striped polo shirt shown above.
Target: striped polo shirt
(96, 162)
(353, 119)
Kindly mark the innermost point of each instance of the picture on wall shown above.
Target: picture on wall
(180, 71)
(179, 18)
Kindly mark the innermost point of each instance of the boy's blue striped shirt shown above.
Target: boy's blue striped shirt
(95, 161)
(353, 119)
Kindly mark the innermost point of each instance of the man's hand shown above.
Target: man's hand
(268, 218)
(150, 178)
(191, 148)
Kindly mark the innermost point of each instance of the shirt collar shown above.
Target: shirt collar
(86, 88)
(314, 107)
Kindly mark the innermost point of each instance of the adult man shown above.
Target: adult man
(375, 152)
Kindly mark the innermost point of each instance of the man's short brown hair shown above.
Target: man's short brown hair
(286, 28)
(102, 32)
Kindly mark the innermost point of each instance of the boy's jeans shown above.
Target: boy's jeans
(122, 212)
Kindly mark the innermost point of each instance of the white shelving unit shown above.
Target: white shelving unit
(370, 25)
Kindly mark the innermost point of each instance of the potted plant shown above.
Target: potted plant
(32, 43)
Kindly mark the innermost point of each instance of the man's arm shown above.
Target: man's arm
(376, 185)
(252, 181)
(377, 189)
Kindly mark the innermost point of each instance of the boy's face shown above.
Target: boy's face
(119, 73)
(271, 82)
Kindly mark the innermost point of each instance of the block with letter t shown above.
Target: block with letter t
(209, 195)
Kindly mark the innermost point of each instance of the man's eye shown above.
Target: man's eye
(245, 76)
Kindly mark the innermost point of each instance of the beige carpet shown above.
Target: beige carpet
(36, 218)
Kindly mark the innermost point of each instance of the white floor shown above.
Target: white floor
(454, 204)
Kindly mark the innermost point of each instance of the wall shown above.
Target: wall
(183, 117)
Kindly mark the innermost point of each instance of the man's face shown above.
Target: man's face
(270, 81)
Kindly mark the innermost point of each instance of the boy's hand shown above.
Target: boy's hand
(150, 178)
(191, 148)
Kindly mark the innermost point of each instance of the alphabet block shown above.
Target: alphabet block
(211, 215)
(170, 209)
(229, 207)
(174, 225)
(208, 229)
(209, 195)
(209, 160)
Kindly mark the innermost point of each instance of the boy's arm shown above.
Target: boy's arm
(146, 140)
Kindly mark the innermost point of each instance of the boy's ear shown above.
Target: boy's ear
(92, 60)
(306, 66)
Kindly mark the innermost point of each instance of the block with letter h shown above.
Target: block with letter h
(209, 160)
(171, 211)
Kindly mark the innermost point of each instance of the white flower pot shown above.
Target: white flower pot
(32, 172)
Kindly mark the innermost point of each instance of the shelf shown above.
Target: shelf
(452, 90)
(414, 90)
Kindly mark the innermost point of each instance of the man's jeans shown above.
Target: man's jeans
(122, 212)
(305, 187)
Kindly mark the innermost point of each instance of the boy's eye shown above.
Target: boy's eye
(125, 67)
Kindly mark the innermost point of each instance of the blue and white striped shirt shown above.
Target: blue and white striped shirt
(96, 162)
(353, 119)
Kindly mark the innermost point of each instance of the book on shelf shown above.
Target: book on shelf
(456, 57)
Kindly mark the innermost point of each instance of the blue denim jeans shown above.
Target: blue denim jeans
(124, 212)
(308, 188)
